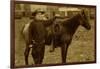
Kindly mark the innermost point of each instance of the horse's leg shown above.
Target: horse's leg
(52, 47)
(54, 44)
(64, 50)
(26, 53)
(63, 54)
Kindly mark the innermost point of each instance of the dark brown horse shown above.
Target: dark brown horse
(35, 34)
(66, 30)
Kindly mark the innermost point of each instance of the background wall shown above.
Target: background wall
(5, 34)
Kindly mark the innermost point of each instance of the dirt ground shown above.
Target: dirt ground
(81, 49)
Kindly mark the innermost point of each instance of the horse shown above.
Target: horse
(66, 29)
(35, 34)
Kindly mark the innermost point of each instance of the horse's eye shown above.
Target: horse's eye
(83, 15)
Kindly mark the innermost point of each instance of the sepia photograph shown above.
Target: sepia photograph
(49, 34)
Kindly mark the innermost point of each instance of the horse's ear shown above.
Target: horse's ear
(53, 13)
(83, 11)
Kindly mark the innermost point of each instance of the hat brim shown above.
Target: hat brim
(34, 13)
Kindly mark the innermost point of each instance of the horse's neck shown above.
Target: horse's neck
(72, 24)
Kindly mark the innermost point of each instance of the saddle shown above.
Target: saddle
(57, 29)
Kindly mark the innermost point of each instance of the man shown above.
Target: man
(41, 22)
(36, 34)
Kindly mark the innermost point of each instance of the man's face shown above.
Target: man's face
(40, 16)
(39, 13)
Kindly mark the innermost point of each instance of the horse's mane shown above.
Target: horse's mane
(71, 19)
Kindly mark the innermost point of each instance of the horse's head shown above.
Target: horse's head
(84, 19)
